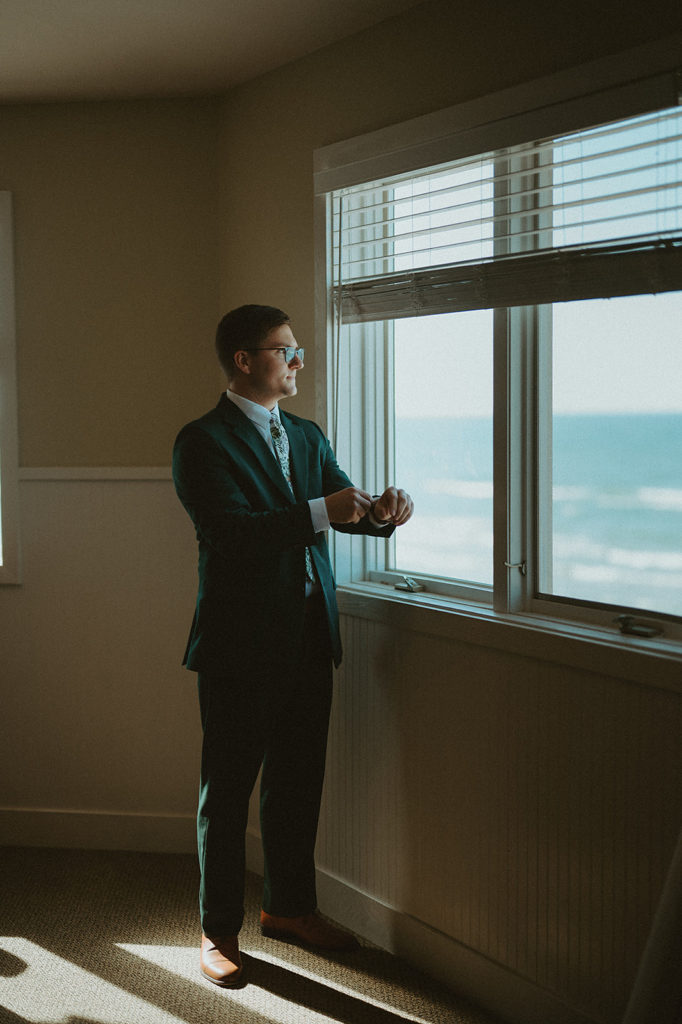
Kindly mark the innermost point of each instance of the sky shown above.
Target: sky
(609, 356)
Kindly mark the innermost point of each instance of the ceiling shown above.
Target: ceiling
(104, 49)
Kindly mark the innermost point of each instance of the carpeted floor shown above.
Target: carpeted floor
(96, 937)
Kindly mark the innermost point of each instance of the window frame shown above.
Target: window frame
(617, 87)
(10, 569)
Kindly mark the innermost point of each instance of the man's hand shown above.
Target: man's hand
(348, 506)
(394, 506)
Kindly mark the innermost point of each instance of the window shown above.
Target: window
(613, 529)
(443, 367)
(505, 342)
(9, 542)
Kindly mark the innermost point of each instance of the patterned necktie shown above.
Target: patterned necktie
(281, 443)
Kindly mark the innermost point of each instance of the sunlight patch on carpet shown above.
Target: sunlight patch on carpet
(184, 962)
(43, 988)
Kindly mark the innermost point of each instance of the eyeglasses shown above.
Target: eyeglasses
(290, 353)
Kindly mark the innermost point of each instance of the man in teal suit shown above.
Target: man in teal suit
(262, 487)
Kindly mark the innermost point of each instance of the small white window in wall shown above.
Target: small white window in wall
(506, 343)
(9, 504)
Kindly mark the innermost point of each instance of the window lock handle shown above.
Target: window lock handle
(521, 566)
(631, 626)
(409, 584)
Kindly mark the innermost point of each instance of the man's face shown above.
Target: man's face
(270, 378)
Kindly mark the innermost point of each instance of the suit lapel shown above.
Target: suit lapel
(241, 427)
(299, 456)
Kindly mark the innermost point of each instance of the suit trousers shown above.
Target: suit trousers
(275, 718)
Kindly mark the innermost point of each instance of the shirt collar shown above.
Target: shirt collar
(258, 414)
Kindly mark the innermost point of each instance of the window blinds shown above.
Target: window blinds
(584, 215)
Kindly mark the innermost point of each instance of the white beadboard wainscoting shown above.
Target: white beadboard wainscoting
(518, 813)
(501, 817)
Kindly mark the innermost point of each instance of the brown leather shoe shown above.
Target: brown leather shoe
(308, 930)
(221, 962)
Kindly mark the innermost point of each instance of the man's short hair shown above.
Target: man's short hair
(245, 327)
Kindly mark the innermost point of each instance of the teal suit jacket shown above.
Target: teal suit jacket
(252, 534)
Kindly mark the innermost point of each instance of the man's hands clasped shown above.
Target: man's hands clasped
(352, 504)
(393, 506)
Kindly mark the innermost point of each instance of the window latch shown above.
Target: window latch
(410, 585)
(631, 626)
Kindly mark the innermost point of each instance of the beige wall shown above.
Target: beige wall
(116, 248)
(98, 716)
(136, 225)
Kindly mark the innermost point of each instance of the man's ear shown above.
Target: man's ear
(241, 361)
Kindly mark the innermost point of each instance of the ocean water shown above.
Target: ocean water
(616, 505)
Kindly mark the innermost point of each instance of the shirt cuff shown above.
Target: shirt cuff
(318, 514)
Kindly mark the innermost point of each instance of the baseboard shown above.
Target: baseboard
(477, 979)
(97, 830)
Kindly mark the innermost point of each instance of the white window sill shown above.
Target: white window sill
(605, 651)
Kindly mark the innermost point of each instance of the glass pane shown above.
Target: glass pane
(619, 180)
(443, 217)
(444, 443)
(617, 452)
